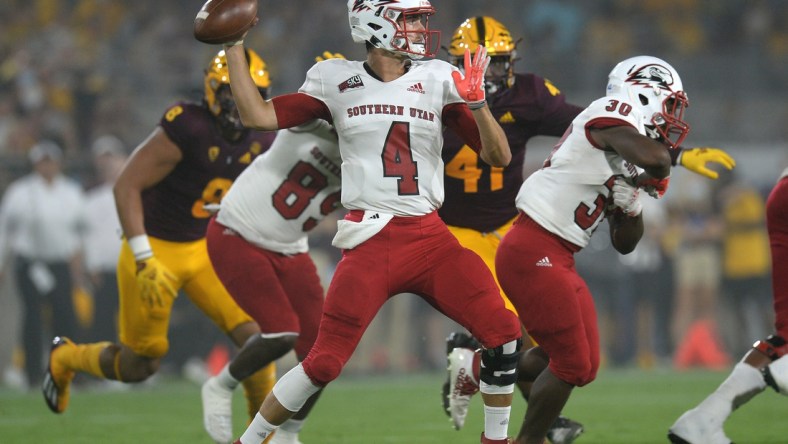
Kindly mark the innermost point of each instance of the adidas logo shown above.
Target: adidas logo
(417, 88)
(544, 262)
(374, 216)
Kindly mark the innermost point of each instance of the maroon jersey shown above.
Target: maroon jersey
(479, 196)
(777, 224)
(175, 207)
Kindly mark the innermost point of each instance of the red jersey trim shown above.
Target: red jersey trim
(297, 108)
(458, 117)
(602, 123)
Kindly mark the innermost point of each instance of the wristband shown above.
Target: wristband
(235, 43)
(675, 155)
(477, 105)
(140, 246)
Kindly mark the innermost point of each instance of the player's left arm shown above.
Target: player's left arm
(494, 148)
(557, 114)
(697, 160)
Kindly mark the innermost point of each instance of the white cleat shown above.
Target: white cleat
(217, 411)
(696, 427)
(462, 385)
(284, 437)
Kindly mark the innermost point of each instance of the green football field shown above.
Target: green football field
(622, 406)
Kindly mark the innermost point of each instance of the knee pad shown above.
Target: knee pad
(499, 365)
(773, 346)
(577, 374)
(155, 347)
(294, 389)
(323, 368)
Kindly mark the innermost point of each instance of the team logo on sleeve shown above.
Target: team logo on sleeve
(354, 82)
(655, 76)
(213, 153)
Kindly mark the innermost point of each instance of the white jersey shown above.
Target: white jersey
(390, 133)
(287, 190)
(568, 196)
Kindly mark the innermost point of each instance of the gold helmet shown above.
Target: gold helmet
(500, 46)
(217, 80)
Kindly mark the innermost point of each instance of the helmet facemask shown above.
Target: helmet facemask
(229, 118)
(669, 123)
(218, 95)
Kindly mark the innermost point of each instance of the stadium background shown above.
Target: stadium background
(76, 69)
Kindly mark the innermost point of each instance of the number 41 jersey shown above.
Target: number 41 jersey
(390, 133)
(568, 196)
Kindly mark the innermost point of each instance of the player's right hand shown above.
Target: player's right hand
(241, 40)
(156, 283)
(655, 188)
(695, 160)
(471, 86)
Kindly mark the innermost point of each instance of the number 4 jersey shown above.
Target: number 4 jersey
(390, 133)
(568, 196)
(287, 190)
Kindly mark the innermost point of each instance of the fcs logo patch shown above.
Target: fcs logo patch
(655, 76)
(354, 82)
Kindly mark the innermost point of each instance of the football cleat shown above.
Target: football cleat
(462, 385)
(696, 427)
(454, 340)
(217, 411)
(57, 380)
(284, 438)
(564, 431)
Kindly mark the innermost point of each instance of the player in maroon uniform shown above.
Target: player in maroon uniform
(766, 363)
(479, 205)
(164, 197)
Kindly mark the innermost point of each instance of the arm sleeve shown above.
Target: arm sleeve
(458, 117)
(558, 114)
(298, 108)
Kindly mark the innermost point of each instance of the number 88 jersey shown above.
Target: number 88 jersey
(569, 194)
(287, 190)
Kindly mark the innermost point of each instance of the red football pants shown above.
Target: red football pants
(409, 255)
(281, 293)
(536, 270)
(777, 224)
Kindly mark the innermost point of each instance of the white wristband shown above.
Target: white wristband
(231, 44)
(140, 247)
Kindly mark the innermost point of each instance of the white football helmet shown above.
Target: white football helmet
(399, 26)
(655, 87)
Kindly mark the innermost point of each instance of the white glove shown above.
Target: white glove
(627, 197)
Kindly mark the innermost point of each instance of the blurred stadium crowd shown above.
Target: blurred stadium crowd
(74, 70)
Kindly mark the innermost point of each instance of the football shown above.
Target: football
(223, 21)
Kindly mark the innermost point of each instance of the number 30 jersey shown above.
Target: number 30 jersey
(286, 191)
(568, 196)
(390, 133)
(175, 207)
